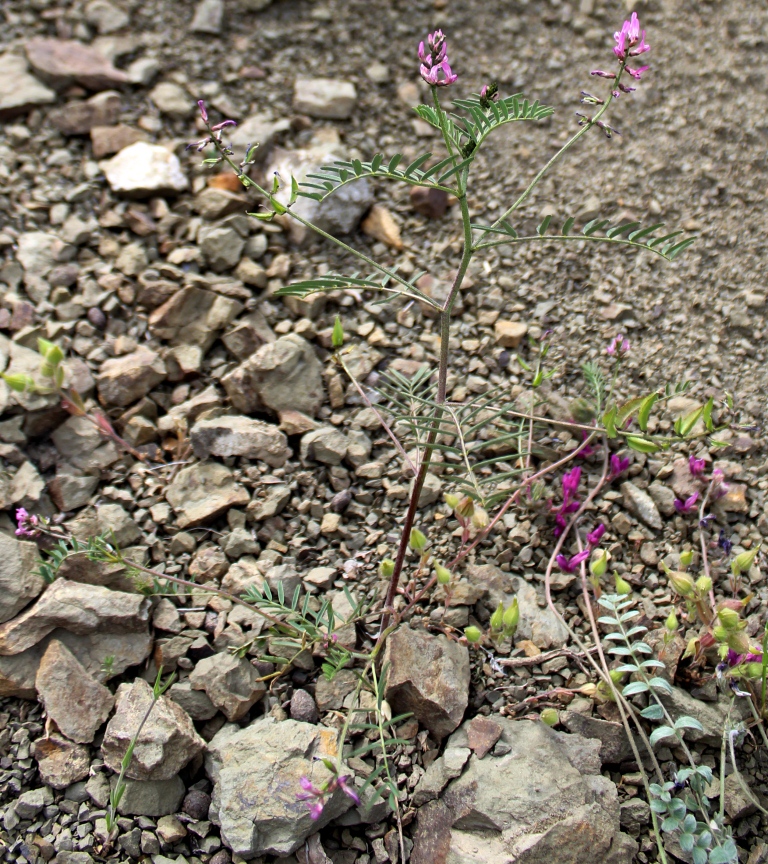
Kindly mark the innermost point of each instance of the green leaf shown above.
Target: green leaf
(635, 687)
(688, 723)
(417, 163)
(642, 445)
(394, 162)
(686, 841)
(706, 414)
(609, 421)
(645, 411)
(627, 410)
(661, 684)
(660, 733)
(568, 225)
(621, 229)
(542, 229)
(653, 712)
(689, 421)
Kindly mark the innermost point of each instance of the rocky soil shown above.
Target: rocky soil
(264, 464)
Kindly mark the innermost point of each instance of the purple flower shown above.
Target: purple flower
(636, 73)
(724, 543)
(594, 537)
(696, 466)
(27, 526)
(629, 40)
(571, 480)
(348, 789)
(619, 465)
(203, 110)
(687, 505)
(569, 565)
(589, 450)
(219, 126)
(435, 69)
(619, 346)
(735, 659)
(602, 74)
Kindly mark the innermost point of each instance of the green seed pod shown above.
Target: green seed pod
(704, 584)
(451, 500)
(443, 574)
(742, 563)
(418, 541)
(497, 619)
(480, 518)
(387, 568)
(18, 382)
(681, 582)
(50, 353)
(686, 558)
(720, 633)
(550, 717)
(729, 618)
(598, 566)
(671, 623)
(465, 507)
(337, 336)
(473, 634)
(753, 670)
(511, 618)
(738, 641)
(622, 586)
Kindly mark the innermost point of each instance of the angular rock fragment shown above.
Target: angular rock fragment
(142, 169)
(63, 62)
(152, 798)
(202, 492)
(61, 762)
(324, 97)
(20, 583)
(78, 118)
(75, 702)
(20, 91)
(428, 676)
(168, 740)
(123, 380)
(240, 436)
(230, 682)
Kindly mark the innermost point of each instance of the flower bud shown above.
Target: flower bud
(465, 508)
(387, 568)
(729, 618)
(686, 558)
(738, 641)
(511, 618)
(51, 353)
(480, 518)
(473, 634)
(443, 574)
(337, 335)
(418, 541)
(622, 586)
(598, 566)
(616, 676)
(720, 633)
(753, 670)
(451, 500)
(550, 717)
(681, 582)
(671, 623)
(497, 619)
(18, 381)
(742, 563)
(704, 584)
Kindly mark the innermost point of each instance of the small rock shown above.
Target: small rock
(428, 676)
(271, 501)
(641, 504)
(222, 247)
(168, 740)
(106, 140)
(431, 203)
(324, 97)
(31, 802)
(20, 91)
(321, 577)
(230, 683)
(380, 225)
(482, 734)
(634, 816)
(214, 203)
(281, 375)
(430, 491)
(663, 497)
(123, 380)
(61, 762)
(255, 771)
(171, 99)
(738, 803)
(240, 436)
(20, 583)
(614, 744)
(105, 16)
(330, 524)
(303, 707)
(195, 702)
(75, 702)
(142, 169)
(202, 492)
(261, 128)
(712, 717)
(509, 334)
(151, 797)
(78, 118)
(63, 62)
(208, 18)
(196, 804)
(326, 444)
(170, 830)
(115, 521)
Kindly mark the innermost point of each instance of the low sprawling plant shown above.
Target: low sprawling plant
(493, 442)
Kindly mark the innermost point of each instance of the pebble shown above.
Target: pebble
(20, 91)
(143, 169)
(327, 98)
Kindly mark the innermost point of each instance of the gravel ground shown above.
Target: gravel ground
(691, 153)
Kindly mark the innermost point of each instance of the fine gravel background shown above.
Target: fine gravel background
(692, 153)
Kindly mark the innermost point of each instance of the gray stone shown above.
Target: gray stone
(123, 380)
(634, 816)
(202, 492)
(444, 769)
(326, 444)
(428, 676)
(614, 744)
(166, 617)
(38, 253)
(105, 16)
(143, 169)
(63, 62)
(230, 682)
(172, 99)
(330, 695)
(151, 797)
(167, 742)
(117, 523)
(143, 71)
(70, 488)
(208, 18)
(712, 717)
(338, 214)
(256, 772)
(430, 491)
(78, 118)
(195, 702)
(31, 802)
(271, 500)
(61, 762)
(663, 497)
(259, 128)
(739, 802)
(80, 609)
(75, 702)
(240, 436)
(20, 91)
(324, 97)
(222, 247)
(641, 504)
(20, 583)
(543, 799)
(303, 707)
(281, 375)
(536, 623)
(239, 542)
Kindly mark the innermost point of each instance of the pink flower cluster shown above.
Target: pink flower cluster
(719, 487)
(630, 42)
(315, 795)
(27, 525)
(571, 480)
(569, 565)
(435, 68)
